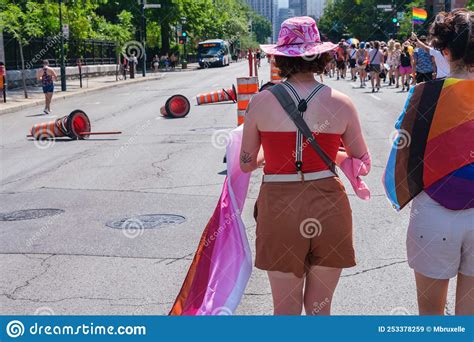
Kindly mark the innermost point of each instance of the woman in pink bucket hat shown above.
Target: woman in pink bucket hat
(304, 219)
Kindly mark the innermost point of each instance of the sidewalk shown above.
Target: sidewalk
(16, 99)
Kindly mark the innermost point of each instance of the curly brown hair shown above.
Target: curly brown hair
(293, 65)
(453, 31)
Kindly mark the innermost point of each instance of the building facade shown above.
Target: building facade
(315, 8)
(436, 6)
(299, 7)
(263, 7)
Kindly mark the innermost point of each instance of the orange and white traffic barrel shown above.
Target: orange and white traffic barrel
(274, 72)
(217, 96)
(75, 126)
(177, 106)
(246, 88)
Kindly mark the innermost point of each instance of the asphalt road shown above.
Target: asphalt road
(72, 263)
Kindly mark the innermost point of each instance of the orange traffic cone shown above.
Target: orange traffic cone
(76, 126)
(177, 106)
(217, 96)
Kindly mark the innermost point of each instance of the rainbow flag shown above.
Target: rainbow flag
(419, 15)
(434, 139)
(222, 265)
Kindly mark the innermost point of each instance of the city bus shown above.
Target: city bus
(215, 52)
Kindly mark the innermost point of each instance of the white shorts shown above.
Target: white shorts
(440, 241)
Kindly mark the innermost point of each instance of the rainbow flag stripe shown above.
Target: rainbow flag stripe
(419, 15)
(433, 140)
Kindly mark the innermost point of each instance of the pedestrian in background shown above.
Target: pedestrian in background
(362, 56)
(394, 62)
(375, 63)
(47, 76)
(406, 66)
(352, 61)
(423, 63)
(155, 63)
(441, 63)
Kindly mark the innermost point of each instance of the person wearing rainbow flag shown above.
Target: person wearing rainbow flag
(432, 163)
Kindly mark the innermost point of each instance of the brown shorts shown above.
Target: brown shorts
(303, 224)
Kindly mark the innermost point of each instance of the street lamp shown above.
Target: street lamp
(62, 64)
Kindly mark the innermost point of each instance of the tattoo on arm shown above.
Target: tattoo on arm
(245, 157)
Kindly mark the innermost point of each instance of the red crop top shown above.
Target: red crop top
(280, 148)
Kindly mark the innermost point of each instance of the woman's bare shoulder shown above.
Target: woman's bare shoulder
(339, 102)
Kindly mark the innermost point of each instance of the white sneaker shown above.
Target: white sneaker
(45, 111)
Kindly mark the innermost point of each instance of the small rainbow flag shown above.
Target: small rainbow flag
(419, 15)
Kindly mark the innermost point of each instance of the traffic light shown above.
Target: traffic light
(182, 39)
(394, 20)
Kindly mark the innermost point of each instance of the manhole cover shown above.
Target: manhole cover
(146, 221)
(29, 214)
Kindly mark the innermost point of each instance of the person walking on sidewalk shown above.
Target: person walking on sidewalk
(47, 76)
(304, 223)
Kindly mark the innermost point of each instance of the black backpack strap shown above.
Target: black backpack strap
(286, 101)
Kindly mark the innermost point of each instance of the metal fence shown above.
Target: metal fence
(90, 51)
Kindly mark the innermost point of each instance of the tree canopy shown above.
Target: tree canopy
(120, 20)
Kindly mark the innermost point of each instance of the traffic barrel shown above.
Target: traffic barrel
(246, 88)
(217, 96)
(76, 126)
(177, 106)
(274, 72)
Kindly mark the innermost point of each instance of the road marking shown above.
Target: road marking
(376, 97)
(215, 85)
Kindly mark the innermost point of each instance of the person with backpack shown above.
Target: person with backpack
(361, 59)
(406, 66)
(375, 65)
(352, 62)
(341, 60)
(47, 76)
(304, 224)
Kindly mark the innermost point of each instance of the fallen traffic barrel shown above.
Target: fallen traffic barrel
(75, 126)
(217, 96)
(177, 106)
(246, 88)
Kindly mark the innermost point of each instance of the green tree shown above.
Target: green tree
(262, 28)
(22, 23)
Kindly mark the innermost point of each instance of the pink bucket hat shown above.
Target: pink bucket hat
(298, 37)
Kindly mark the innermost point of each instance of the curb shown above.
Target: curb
(81, 92)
